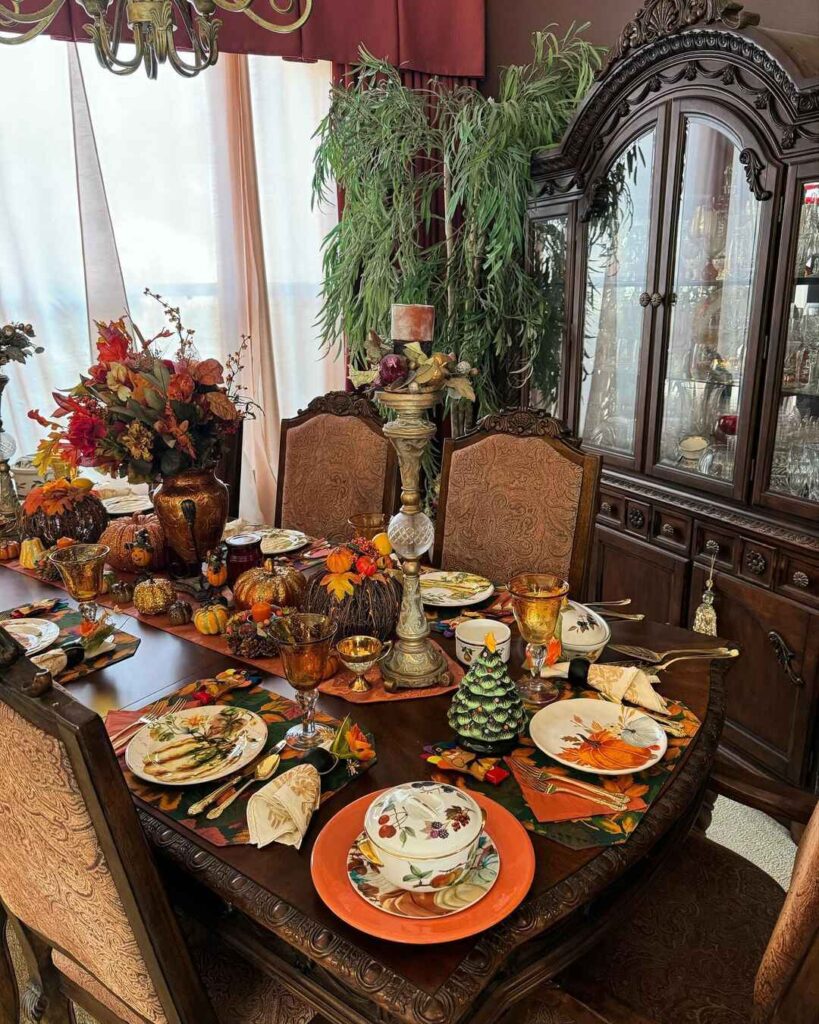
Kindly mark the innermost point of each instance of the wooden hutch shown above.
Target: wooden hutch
(678, 223)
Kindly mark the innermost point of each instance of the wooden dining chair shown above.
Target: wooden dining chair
(80, 887)
(517, 495)
(334, 462)
(714, 939)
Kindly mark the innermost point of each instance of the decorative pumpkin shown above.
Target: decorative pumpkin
(216, 570)
(211, 619)
(180, 613)
(136, 542)
(30, 550)
(277, 584)
(9, 549)
(154, 596)
(122, 593)
(62, 508)
(368, 608)
(340, 560)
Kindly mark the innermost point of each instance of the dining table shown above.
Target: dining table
(263, 901)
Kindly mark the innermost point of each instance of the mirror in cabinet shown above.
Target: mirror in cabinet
(618, 249)
(548, 253)
(711, 302)
(795, 462)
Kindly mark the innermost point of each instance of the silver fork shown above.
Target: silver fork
(160, 709)
(646, 654)
(548, 784)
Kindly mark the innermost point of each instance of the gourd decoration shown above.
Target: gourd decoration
(361, 589)
(64, 508)
(9, 550)
(216, 569)
(122, 593)
(275, 583)
(30, 551)
(137, 543)
(154, 596)
(180, 613)
(211, 619)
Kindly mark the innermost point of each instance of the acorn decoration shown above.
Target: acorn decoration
(154, 596)
(180, 613)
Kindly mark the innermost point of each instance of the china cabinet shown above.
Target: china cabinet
(676, 231)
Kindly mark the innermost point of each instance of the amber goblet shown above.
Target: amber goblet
(537, 598)
(80, 567)
(305, 640)
(358, 654)
(367, 524)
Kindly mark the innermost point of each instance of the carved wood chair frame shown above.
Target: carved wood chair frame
(128, 856)
(555, 434)
(341, 403)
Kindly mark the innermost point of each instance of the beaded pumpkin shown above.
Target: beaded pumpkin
(154, 596)
(275, 584)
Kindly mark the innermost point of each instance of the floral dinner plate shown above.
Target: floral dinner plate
(33, 634)
(196, 745)
(281, 542)
(454, 589)
(598, 736)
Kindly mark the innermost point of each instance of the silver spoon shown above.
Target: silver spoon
(264, 770)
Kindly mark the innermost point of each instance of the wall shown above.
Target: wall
(510, 23)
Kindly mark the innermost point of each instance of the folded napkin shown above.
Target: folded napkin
(619, 682)
(281, 811)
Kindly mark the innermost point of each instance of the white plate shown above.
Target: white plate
(560, 730)
(454, 589)
(197, 722)
(281, 542)
(128, 503)
(34, 634)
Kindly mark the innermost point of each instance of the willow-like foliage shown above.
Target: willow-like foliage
(435, 185)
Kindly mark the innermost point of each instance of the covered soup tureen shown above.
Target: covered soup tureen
(422, 835)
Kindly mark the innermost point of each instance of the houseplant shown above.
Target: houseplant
(151, 415)
(394, 151)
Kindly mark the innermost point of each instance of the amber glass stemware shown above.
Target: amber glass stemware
(80, 567)
(305, 641)
(367, 524)
(537, 598)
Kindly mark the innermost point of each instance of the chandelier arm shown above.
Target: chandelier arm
(202, 34)
(98, 31)
(243, 7)
(11, 17)
(24, 37)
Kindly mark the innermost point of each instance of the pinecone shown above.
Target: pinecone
(246, 640)
(45, 569)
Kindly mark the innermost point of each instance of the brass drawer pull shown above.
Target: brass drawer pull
(667, 530)
(784, 655)
(712, 547)
(800, 579)
(605, 508)
(756, 562)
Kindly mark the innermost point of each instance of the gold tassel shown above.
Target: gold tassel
(705, 617)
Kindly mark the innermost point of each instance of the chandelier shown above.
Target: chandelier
(151, 24)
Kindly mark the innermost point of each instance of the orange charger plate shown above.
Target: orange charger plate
(329, 869)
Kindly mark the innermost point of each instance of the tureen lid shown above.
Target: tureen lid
(582, 627)
(423, 819)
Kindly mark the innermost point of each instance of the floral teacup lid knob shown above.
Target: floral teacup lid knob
(423, 819)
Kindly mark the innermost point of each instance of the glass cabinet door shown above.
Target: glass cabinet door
(710, 305)
(548, 255)
(617, 260)
(795, 464)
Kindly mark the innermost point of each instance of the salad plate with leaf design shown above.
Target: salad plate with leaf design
(33, 634)
(598, 737)
(196, 745)
(282, 542)
(454, 589)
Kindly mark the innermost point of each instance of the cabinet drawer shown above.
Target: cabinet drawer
(638, 517)
(713, 543)
(757, 562)
(671, 530)
(798, 578)
(611, 509)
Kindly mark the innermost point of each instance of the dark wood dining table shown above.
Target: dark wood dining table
(264, 902)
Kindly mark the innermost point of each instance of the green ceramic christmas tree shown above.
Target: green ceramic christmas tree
(487, 712)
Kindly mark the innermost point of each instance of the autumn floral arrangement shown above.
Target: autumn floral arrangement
(141, 412)
(361, 588)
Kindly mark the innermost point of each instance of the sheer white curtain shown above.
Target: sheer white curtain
(147, 186)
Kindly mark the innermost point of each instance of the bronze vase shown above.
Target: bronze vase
(192, 507)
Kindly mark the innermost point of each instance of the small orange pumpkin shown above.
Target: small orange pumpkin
(340, 560)
(9, 549)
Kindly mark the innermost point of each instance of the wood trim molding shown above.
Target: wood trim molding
(394, 995)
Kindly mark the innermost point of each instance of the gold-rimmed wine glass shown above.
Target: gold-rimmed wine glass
(305, 640)
(537, 598)
(358, 654)
(81, 567)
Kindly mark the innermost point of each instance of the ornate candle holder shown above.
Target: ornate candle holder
(414, 661)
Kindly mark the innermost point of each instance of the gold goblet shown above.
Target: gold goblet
(367, 524)
(80, 567)
(536, 601)
(358, 654)
(304, 642)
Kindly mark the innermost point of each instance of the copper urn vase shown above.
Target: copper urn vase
(192, 507)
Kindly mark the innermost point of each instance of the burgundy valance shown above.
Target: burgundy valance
(438, 37)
